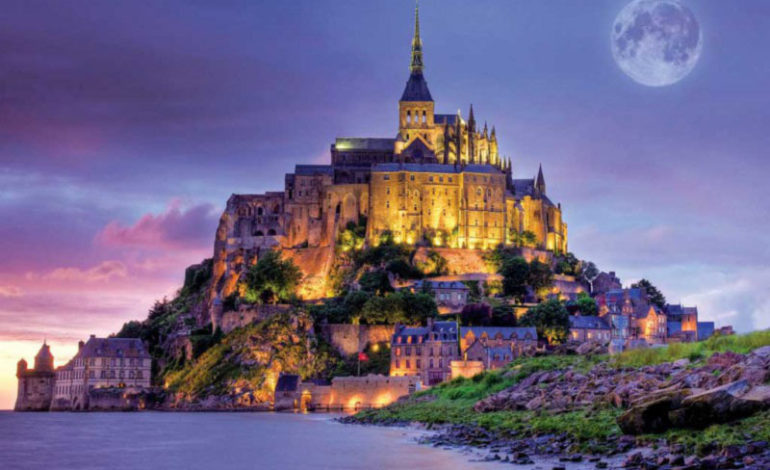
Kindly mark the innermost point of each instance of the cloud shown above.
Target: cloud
(10, 291)
(102, 272)
(175, 229)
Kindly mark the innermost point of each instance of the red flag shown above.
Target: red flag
(362, 356)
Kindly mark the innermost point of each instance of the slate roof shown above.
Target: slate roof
(287, 383)
(440, 284)
(416, 89)
(312, 170)
(364, 143)
(524, 187)
(113, 347)
(588, 322)
(507, 332)
(448, 328)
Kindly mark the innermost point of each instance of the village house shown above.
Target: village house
(495, 347)
(590, 329)
(101, 363)
(424, 351)
(450, 296)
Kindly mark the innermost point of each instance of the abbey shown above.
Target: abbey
(441, 180)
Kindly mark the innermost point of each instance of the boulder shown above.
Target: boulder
(729, 402)
(651, 416)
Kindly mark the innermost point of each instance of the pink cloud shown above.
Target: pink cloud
(177, 228)
(104, 271)
(10, 291)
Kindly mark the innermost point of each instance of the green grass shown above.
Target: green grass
(693, 351)
(754, 428)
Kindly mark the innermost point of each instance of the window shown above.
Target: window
(411, 177)
(139, 374)
(419, 365)
(386, 177)
(408, 365)
(398, 364)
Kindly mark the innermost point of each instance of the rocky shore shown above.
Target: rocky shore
(654, 410)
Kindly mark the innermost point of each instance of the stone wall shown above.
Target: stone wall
(248, 315)
(35, 391)
(466, 369)
(357, 393)
(350, 339)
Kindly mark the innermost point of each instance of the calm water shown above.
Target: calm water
(212, 440)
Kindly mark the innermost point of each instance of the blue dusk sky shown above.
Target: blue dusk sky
(124, 127)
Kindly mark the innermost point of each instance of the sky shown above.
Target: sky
(124, 127)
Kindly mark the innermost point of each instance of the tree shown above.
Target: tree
(272, 279)
(540, 278)
(476, 315)
(399, 307)
(376, 282)
(587, 305)
(590, 271)
(401, 268)
(515, 272)
(550, 319)
(656, 297)
(568, 264)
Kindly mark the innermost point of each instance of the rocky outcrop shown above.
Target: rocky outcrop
(660, 388)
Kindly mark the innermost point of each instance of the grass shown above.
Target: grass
(693, 351)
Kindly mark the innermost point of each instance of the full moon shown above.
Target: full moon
(656, 42)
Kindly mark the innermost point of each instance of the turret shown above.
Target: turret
(44, 359)
(471, 137)
(493, 155)
(21, 368)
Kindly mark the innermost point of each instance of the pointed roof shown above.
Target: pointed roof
(416, 87)
(540, 184)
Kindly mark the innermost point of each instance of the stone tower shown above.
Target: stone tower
(35, 390)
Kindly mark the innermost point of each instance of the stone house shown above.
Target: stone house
(101, 363)
(450, 296)
(514, 339)
(492, 357)
(584, 328)
(424, 351)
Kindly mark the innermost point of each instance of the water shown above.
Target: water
(213, 440)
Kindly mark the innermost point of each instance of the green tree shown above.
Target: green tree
(515, 272)
(550, 319)
(376, 282)
(656, 297)
(272, 279)
(587, 305)
(540, 278)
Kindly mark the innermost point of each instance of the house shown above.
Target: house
(651, 324)
(705, 330)
(122, 363)
(424, 351)
(492, 357)
(450, 296)
(584, 328)
(514, 339)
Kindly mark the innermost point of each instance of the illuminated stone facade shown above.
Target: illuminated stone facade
(35, 385)
(441, 179)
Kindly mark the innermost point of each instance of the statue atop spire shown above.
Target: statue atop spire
(416, 65)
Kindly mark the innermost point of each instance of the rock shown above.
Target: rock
(681, 363)
(651, 416)
(764, 352)
(719, 405)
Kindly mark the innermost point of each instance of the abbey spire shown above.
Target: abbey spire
(416, 65)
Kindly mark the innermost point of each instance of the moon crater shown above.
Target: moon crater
(656, 42)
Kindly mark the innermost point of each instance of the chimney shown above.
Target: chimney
(80, 345)
(430, 323)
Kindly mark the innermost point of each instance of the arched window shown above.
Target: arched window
(271, 233)
(424, 118)
(408, 117)
(277, 209)
(259, 233)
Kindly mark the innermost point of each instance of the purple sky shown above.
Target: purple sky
(124, 126)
